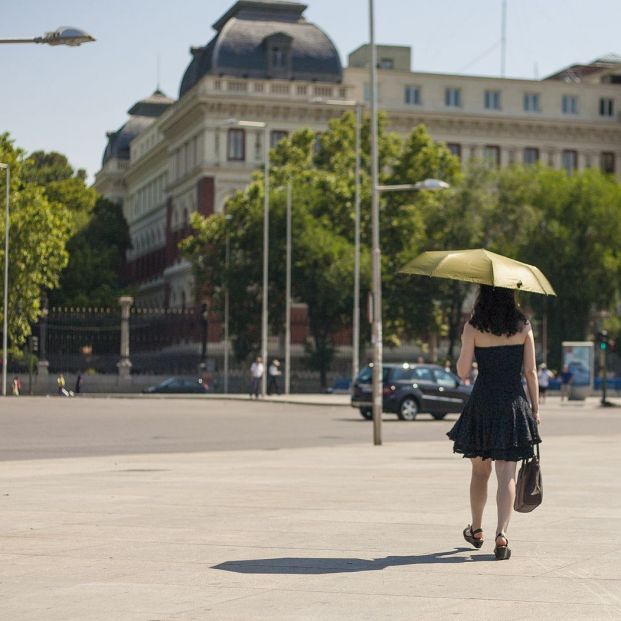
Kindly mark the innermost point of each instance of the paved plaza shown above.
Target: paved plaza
(145, 510)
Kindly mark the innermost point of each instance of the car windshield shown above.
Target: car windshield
(366, 375)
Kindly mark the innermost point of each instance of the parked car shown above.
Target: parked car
(409, 389)
(178, 385)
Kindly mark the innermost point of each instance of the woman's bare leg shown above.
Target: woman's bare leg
(505, 473)
(481, 471)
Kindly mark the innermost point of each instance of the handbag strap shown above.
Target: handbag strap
(537, 449)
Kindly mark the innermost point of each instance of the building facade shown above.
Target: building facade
(267, 63)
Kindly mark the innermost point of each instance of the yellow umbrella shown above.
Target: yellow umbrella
(480, 266)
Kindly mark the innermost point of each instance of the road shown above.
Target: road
(52, 427)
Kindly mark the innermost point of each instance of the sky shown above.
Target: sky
(65, 99)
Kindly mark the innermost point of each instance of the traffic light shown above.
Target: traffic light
(602, 339)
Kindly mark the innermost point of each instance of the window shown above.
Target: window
(569, 104)
(452, 97)
(276, 136)
(386, 63)
(530, 155)
(607, 162)
(492, 100)
(258, 145)
(278, 57)
(301, 89)
(531, 102)
(423, 373)
(403, 375)
(570, 161)
(236, 145)
(454, 148)
(443, 378)
(606, 106)
(366, 375)
(412, 95)
(491, 154)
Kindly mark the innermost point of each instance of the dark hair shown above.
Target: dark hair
(496, 311)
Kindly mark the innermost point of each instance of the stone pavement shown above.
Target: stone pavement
(332, 533)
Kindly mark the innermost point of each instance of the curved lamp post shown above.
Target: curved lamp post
(64, 35)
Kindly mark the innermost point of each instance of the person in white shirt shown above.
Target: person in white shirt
(544, 375)
(273, 373)
(256, 375)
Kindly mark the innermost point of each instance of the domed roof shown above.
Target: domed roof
(142, 114)
(265, 39)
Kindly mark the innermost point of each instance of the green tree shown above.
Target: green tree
(62, 185)
(322, 176)
(39, 230)
(94, 274)
(577, 246)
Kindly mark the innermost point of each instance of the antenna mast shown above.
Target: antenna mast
(503, 39)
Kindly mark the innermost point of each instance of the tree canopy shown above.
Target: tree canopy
(567, 225)
(39, 229)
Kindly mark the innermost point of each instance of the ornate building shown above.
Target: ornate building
(267, 63)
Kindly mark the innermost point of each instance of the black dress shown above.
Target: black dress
(497, 421)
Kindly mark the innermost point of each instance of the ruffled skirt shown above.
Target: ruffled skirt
(495, 428)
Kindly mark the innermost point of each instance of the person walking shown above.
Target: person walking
(257, 368)
(497, 424)
(567, 378)
(16, 386)
(273, 373)
(543, 377)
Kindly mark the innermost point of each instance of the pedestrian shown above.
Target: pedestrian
(17, 386)
(497, 423)
(420, 360)
(447, 365)
(543, 377)
(78, 383)
(273, 373)
(257, 368)
(60, 383)
(567, 378)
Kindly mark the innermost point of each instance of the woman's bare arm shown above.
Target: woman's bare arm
(530, 372)
(464, 364)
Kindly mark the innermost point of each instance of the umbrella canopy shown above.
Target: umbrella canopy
(480, 266)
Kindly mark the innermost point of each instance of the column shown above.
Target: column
(124, 365)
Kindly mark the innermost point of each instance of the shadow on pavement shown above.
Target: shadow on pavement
(298, 565)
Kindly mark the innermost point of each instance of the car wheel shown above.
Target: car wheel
(366, 413)
(439, 415)
(408, 409)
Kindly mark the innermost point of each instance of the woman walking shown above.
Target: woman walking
(497, 423)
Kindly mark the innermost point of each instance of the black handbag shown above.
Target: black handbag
(529, 487)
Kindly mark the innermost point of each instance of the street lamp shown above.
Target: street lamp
(227, 259)
(355, 357)
(64, 35)
(288, 296)
(376, 189)
(5, 311)
(266, 224)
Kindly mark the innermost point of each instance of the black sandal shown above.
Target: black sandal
(502, 553)
(470, 538)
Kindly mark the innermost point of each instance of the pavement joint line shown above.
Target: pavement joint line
(442, 597)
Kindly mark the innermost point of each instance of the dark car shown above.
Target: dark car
(409, 389)
(178, 385)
